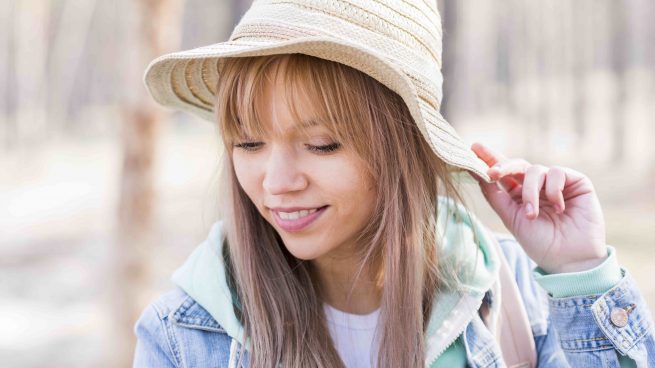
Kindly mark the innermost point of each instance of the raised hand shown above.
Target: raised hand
(553, 212)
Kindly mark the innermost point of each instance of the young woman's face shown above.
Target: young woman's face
(310, 188)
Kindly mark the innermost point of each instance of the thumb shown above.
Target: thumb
(499, 200)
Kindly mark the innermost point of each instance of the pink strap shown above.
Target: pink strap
(510, 324)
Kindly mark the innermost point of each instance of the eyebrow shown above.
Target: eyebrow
(311, 122)
(304, 124)
(307, 123)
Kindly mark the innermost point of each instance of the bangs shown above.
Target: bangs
(336, 100)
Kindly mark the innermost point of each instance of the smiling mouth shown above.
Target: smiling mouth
(297, 214)
(297, 220)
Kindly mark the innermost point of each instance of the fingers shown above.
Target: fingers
(504, 203)
(513, 166)
(555, 180)
(486, 154)
(498, 163)
(534, 180)
(509, 173)
(551, 180)
(516, 181)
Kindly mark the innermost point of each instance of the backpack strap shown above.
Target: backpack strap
(508, 320)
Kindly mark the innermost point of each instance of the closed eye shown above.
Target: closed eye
(248, 146)
(325, 148)
(253, 146)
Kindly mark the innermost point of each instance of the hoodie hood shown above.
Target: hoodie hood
(467, 256)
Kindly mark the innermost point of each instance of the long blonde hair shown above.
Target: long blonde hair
(280, 298)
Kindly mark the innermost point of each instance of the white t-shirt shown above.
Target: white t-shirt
(353, 336)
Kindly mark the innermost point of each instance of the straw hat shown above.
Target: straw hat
(397, 42)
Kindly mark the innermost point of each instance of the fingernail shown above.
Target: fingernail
(529, 209)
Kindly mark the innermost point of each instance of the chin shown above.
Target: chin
(304, 251)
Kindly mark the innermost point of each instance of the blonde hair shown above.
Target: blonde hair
(280, 298)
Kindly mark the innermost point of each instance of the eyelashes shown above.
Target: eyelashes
(248, 146)
(325, 148)
(254, 146)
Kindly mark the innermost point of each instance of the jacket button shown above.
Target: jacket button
(619, 317)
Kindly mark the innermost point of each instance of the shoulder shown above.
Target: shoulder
(164, 304)
(179, 308)
(175, 331)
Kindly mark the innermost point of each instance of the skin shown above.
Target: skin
(553, 212)
(288, 170)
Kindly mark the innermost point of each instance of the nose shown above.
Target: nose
(282, 173)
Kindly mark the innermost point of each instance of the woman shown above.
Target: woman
(343, 239)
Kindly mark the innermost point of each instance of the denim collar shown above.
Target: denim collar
(190, 314)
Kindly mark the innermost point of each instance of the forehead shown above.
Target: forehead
(287, 106)
(283, 94)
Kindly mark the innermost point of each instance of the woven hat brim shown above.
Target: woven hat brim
(187, 80)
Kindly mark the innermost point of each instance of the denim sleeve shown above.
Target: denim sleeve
(152, 347)
(579, 331)
(594, 281)
(614, 324)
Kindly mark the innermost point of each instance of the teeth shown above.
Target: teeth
(295, 215)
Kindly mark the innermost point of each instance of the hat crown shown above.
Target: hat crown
(406, 33)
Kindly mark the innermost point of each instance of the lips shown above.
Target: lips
(297, 224)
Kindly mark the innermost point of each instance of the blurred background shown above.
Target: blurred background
(103, 194)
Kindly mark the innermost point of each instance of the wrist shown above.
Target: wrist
(596, 280)
(579, 260)
(578, 266)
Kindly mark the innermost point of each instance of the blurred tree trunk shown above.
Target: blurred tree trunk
(66, 54)
(30, 60)
(650, 41)
(7, 128)
(155, 30)
(619, 60)
(579, 68)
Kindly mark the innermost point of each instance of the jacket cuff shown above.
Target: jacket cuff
(619, 318)
(594, 281)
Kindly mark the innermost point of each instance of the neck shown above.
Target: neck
(343, 289)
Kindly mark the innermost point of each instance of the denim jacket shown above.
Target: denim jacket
(194, 325)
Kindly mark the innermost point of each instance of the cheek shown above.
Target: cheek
(363, 198)
(363, 201)
(247, 175)
(353, 190)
